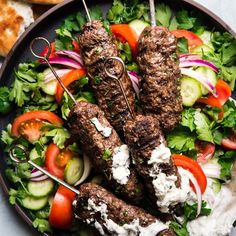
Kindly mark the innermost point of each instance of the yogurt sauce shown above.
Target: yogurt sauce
(131, 229)
(120, 164)
(105, 131)
(222, 217)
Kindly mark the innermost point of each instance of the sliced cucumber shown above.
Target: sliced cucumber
(33, 155)
(35, 204)
(202, 49)
(74, 170)
(208, 73)
(50, 87)
(216, 186)
(190, 90)
(40, 188)
(206, 38)
(138, 26)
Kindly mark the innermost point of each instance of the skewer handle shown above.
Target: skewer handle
(152, 12)
(45, 58)
(86, 10)
(14, 157)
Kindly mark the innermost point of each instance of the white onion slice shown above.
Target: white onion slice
(50, 76)
(197, 189)
(87, 169)
(202, 79)
(212, 170)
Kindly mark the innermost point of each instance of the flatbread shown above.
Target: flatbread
(44, 2)
(14, 18)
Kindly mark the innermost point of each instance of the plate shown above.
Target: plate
(45, 26)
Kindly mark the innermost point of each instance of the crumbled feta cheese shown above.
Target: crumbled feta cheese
(105, 131)
(120, 164)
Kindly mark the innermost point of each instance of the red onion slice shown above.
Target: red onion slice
(189, 56)
(135, 81)
(73, 55)
(36, 173)
(197, 189)
(87, 169)
(202, 79)
(50, 76)
(198, 62)
(39, 178)
(65, 62)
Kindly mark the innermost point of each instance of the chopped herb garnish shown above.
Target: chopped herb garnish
(106, 155)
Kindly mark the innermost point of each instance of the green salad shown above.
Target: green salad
(206, 133)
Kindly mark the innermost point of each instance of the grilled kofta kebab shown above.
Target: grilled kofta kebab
(167, 187)
(111, 216)
(100, 142)
(157, 59)
(96, 46)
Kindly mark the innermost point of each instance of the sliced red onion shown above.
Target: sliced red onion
(198, 62)
(87, 169)
(135, 81)
(202, 79)
(36, 173)
(65, 62)
(189, 56)
(212, 170)
(40, 178)
(50, 76)
(72, 55)
(197, 189)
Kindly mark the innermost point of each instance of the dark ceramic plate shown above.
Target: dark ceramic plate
(45, 26)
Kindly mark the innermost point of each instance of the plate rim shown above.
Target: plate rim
(191, 3)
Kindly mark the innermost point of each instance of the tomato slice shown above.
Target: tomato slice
(34, 115)
(229, 143)
(224, 92)
(193, 167)
(61, 213)
(53, 51)
(205, 151)
(68, 79)
(76, 46)
(126, 34)
(193, 39)
(31, 130)
(56, 160)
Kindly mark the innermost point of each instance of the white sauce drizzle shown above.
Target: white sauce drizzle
(223, 214)
(120, 164)
(105, 131)
(132, 229)
(165, 189)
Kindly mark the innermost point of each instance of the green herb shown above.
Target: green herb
(96, 13)
(42, 225)
(5, 103)
(6, 137)
(188, 119)
(185, 21)
(182, 45)
(97, 80)
(126, 11)
(43, 213)
(181, 139)
(106, 155)
(125, 213)
(226, 167)
(179, 229)
(58, 134)
(17, 195)
(89, 96)
(163, 14)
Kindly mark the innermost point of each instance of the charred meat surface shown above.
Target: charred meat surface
(157, 59)
(112, 216)
(102, 144)
(152, 160)
(96, 46)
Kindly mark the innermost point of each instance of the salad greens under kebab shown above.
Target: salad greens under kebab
(204, 140)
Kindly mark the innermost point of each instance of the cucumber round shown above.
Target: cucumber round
(208, 73)
(74, 170)
(40, 188)
(138, 26)
(216, 186)
(50, 87)
(33, 203)
(33, 155)
(190, 90)
(202, 49)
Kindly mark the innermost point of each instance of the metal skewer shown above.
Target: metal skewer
(117, 78)
(14, 157)
(87, 11)
(152, 12)
(45, 58)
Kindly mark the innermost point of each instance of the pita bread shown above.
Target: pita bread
(44, 2)
(14, 18)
